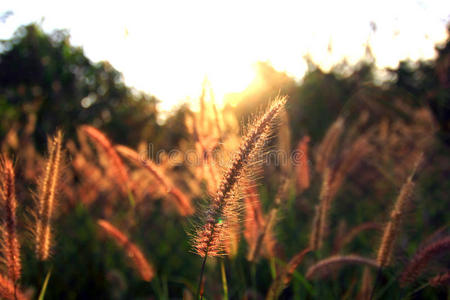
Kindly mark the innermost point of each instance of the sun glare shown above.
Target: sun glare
(167, 48)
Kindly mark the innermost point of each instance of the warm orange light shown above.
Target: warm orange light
(167, 48)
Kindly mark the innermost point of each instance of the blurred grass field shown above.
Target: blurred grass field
(42, 80)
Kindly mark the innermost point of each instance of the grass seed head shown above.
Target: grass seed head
(48, 188)
(10, 244)
(209, 238)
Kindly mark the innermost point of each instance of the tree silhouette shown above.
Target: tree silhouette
(44, 76)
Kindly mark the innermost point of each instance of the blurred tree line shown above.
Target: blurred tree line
(349, 90)
(44, 78)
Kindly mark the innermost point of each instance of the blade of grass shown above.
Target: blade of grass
(44, 286)
(309, 288)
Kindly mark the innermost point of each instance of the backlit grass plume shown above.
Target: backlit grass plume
(257, 228)
(182, 201)
(265, 235)
(208, 238)
(326, 266)
(302, 167)
(9, 291)
(422, 258)
(140, 263)
(440, 280)
(319, 224)
(366, 284)
(285, 276)
(46, 198)
(329, 143)
(332, 179)
(118, 171)
(397, 215)
(10, 245)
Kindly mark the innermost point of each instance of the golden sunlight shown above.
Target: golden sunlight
(167, 48)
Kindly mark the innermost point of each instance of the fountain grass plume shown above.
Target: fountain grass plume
(140, 263)
(48, 188)
(10, 246)
(208, 239)
(182, 201)
(326, 266)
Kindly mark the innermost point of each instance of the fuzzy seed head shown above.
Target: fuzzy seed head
(48, 187)
(209, 238)
(140, 263)
(325, 267)
(118, 170)
(9, 245)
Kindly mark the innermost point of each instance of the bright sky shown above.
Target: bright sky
(166, 48)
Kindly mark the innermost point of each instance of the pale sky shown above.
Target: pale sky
(166, 48)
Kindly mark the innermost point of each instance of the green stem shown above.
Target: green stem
(201, 278)
(372, 294)
(224, 280)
